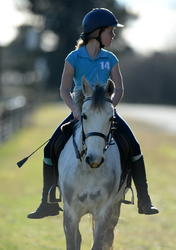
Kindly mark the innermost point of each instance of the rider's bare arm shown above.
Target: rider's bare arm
(65, 89)
(116, 76)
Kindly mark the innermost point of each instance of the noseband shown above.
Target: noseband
(107, 138)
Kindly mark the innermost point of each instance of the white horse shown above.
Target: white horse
(90, 170)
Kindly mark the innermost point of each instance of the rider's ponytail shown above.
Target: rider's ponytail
(86, 37)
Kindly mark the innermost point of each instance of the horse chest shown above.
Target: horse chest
(88, 189)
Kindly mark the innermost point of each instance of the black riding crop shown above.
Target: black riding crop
(20, 163)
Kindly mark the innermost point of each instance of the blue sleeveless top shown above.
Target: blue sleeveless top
(96, 71)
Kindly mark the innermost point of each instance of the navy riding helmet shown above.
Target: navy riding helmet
(99, 18)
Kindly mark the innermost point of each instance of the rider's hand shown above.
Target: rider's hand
(76, 113)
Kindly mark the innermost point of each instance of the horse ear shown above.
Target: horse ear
(86, 88)
(109, 88)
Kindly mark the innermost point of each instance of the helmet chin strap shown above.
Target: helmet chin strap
(100, 42)
(99, 38)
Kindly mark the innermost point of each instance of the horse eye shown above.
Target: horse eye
(84, 116)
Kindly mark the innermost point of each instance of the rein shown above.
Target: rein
(107, 138)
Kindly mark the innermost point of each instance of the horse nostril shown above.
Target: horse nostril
(102, 160)
(87, 159)
(92, 162)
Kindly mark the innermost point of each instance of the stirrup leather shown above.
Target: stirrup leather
(124, 201)
(51, 191)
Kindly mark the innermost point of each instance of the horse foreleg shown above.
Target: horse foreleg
(111, 223)
(104, 229)
(99, 232)
(105, 241)
(72, 233)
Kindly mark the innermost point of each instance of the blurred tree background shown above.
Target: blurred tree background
(36, 56)
(41, 47)
(32, 64)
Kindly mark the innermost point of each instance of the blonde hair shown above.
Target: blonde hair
(79, 43)
(86, 37)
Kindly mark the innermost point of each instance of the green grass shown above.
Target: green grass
(21, 189)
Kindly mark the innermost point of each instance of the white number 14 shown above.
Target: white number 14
(105, 65)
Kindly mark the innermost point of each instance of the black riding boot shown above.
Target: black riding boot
(45, 208)
(139, 177)
(50, 176)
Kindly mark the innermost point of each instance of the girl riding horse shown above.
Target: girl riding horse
(96, 64)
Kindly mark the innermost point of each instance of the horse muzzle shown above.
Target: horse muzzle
(94, 162)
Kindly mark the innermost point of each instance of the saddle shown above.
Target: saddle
(60, 141)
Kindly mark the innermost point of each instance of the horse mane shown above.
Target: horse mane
(78, 98)
(98, 97)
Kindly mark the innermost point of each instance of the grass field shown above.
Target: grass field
(20, 192)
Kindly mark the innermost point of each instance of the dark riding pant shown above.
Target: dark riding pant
(56, 134)
(122, 127)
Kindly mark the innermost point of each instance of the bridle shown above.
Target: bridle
(107, 138)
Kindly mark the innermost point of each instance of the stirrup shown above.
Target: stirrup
(55, 200)
(124, 201)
